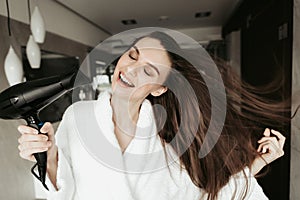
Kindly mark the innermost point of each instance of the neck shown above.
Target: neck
(125, 109)
(125, 117)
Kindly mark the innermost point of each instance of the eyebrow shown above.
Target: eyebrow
(154, 67)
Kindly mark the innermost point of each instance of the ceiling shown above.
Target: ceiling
(108, 14)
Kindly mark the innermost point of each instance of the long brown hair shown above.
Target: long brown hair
(246, 113)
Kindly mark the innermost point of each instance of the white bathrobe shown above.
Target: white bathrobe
(89, 168)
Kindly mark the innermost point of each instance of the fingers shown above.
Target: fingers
(27, 129)
(48, 128)
(280, 137)
(271, 147)
(278, 134)
(31, 142)
(263, 147)
(32, 137)
(270, 139)
(34, 145)
(28, 153)
(267, 132)
(29, 157)
(270, 151)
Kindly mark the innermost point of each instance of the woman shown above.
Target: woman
(149, 74)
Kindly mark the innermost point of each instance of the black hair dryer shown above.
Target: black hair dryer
(26, 100)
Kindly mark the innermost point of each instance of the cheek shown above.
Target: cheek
(146, 89)
(116, 71)
(115, 77)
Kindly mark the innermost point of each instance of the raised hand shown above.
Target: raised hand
(271, 147)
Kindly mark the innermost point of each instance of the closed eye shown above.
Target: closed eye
(149, 71)
(133, 54)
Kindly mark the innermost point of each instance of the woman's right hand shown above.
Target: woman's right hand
(31, 142)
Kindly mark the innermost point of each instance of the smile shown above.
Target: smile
(125, 81)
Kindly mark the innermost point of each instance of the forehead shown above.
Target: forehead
(151, 43)
(153, 50)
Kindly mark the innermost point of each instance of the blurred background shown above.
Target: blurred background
(258, 38)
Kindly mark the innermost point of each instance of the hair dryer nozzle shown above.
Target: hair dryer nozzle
(26, 98)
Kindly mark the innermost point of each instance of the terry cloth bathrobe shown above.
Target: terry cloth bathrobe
(91, 165)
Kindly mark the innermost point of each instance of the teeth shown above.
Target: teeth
(123, 78)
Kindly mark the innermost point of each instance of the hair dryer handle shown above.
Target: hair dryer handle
(41, 157)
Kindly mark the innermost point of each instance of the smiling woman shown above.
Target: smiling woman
(141, 71)
(155, 135)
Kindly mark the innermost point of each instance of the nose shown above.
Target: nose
(133, 70)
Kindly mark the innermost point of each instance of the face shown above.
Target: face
(142, 70)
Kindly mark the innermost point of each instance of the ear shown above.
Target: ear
(159, 91)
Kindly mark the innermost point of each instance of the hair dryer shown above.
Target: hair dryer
(26, 100)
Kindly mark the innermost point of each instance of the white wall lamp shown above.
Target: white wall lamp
(12, 64)
(37, 26)
(13, 67)
(33, 53)
(38, 31)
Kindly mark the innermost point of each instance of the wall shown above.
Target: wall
(295, 129)
(16, 181)
(58, 20)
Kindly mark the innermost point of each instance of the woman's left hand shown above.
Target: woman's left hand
(271, 147)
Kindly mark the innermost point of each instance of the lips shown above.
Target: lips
(125, 81)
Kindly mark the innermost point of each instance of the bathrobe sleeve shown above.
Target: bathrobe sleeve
(240, 187)
(64, 179)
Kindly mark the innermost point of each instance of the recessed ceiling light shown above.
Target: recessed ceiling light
(202, 14)
(129, 21)
(163, 17)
